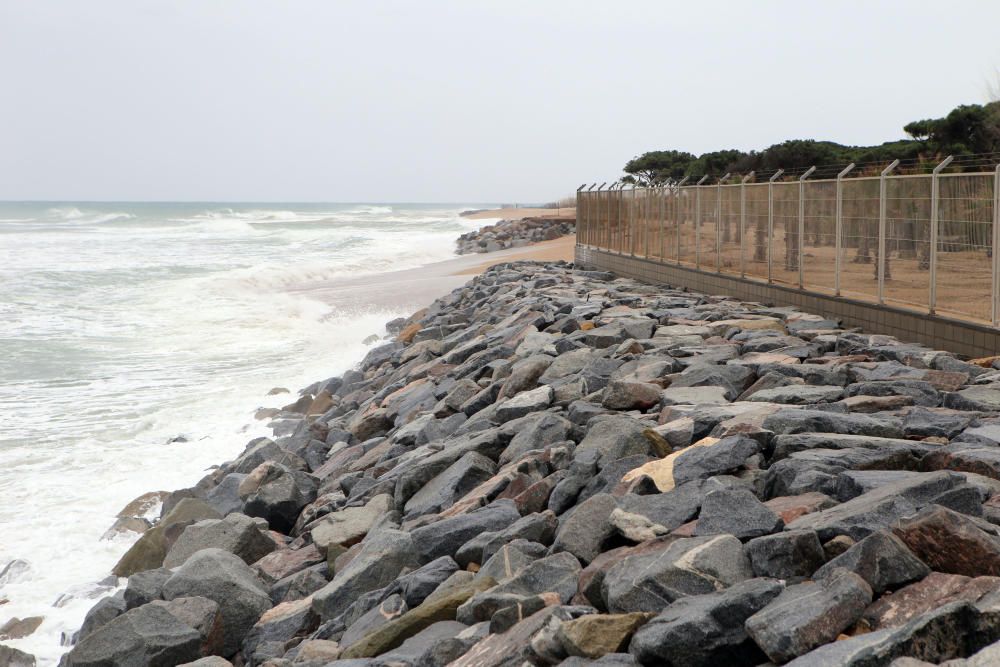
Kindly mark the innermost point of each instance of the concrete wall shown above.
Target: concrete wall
(942, 333)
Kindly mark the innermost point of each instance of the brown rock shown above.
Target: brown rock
(128, 524)
(934, 590)
(318, 650)
(408, 332)
(279, 564)
(950, 542)
(946, 380)
(790, 508)
(16, 628)
(143, 505)
(266, 413)
(320, 404)
(866, 404)
(535, 498)
(599, 634)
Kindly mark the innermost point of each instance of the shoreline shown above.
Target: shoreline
(538, 427)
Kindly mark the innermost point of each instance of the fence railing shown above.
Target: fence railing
(927, 241)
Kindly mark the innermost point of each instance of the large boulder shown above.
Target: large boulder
(454, 482)
(237, 533)
(382, 558)
(348, 526)
(277, 494)
(445, 536)
(654, 577)
(224, 578)
(147, 635)
(808, 615)
(706, 630)
(950, 542)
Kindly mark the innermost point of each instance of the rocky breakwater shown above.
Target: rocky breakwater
(551, 466)
(514, 234)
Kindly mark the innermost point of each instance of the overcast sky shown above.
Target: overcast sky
(288, 100)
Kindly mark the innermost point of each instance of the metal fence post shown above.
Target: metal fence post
(697, 224)
(839, 227)
(802, 223)
(770, 221)
(718, 224)
(935, 230)
(678, 189)
(743, 223)
(580, 207)
(881, 230)
(631, 223)
(995, 310)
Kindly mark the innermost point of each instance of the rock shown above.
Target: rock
(880, 508)
(736, 512)
(798, 395)
(613, 437)
(587, 529)
(381, 559)
(348, 526)
(11, 657)
(546, 430)
(935, 590)
(393, 633)
(706, 630)
(556, 574)
(224, 578)
(952, 631)
(105, 610)
(693, 395)
(284, 562)
(965, 457)
(629, 395)
(524, 403)
(660, 574)
(445, 536)
(18, 628)
(510, 559)
(791, 554)
(973, 399)
(147, 635)
(790, 508)
(458, 479)
(596, 635)
(950, 542)
(149, 550)
(278, 626)
(280, 495)
(882, 560)
(808, 615)
(145, 587)
(202, 615)
(237, 533)
(817, 421)
(538, 528)
(703, 459)
(734, 379)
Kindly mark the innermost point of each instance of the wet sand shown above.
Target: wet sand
(412, 289)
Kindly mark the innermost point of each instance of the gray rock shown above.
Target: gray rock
(524, 403)
(798, 394)
(790, 555)
(736, 512)
(715, 458)
(693, 396)
(546, 430)
(706, 630)
(106, 609)
(447, 487)
(145, 587)
(882, 560)
(585, 532)
(983, 399)
(237, 533)
(445, 536)
(922, 393)
(808, 615)
(383, 556)
(11, 657)
(613, 437)
(280, 496)
(222, 577)
(880, 508)
(556, 574)
(147, 635)
(817, 421)
(225, 497)
(659, 574)
(734, 379)
(539, 528)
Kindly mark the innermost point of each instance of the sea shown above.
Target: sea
(136, 343)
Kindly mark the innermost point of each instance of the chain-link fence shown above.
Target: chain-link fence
(919, 241)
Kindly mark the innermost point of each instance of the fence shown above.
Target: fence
(925, 242)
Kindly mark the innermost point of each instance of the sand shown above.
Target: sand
(519, 213)
(412, 289)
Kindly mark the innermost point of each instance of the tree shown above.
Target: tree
(658, 168)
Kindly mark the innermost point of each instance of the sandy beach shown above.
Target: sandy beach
(520, 213)
(412, 289)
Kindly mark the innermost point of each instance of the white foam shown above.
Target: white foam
(176, 323)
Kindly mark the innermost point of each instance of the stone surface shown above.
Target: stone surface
(148, 635)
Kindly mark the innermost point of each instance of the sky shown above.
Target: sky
(451, 101)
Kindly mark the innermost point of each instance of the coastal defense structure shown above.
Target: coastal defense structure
(907, 254)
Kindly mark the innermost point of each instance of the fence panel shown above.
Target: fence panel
(785, 239)
(755, 230)
(688, 199)
(729, 229)
(907, 241)
(707, 227)
(964, 260)
(819, 250)
(859, 245)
